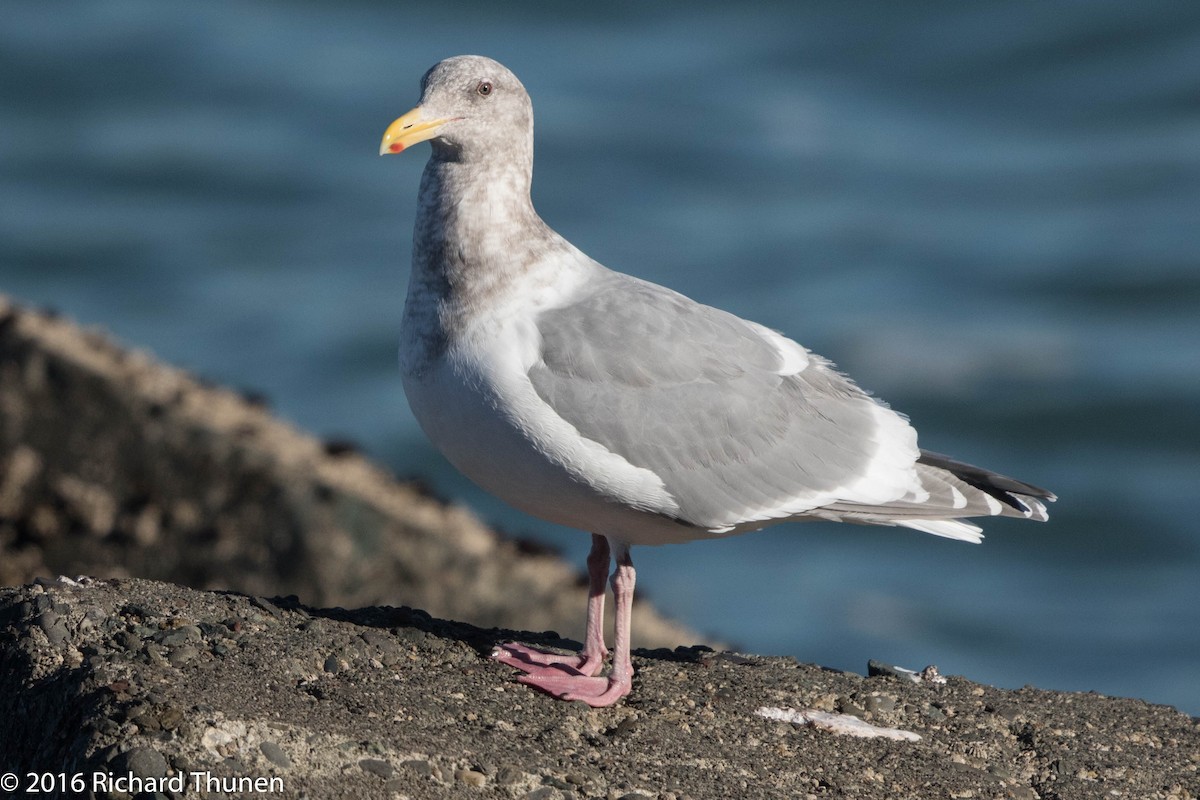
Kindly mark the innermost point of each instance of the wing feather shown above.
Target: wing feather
(739, 427)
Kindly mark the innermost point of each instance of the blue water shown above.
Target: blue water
(987, 213)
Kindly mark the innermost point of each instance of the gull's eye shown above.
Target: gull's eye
(484, 88)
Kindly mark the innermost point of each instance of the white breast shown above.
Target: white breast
(476, 404)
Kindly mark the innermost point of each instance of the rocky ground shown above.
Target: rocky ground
(151, 679)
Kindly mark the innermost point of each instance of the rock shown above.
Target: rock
(185, 634)
(880, 704)
(419, 766)
(377, 766)
(53, 626)
(429, 726)
(878, 669)
(144, 762)
(470, 777)
(508, 775)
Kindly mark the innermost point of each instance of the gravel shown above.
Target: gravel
(415, 709)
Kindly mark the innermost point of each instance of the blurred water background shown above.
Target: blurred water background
(987, 213)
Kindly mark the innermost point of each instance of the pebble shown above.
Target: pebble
(540, 793)
(128, 640)
(377, 766)
(880, 703)
(267, 605)
(53, 626)
(107, 726)
(411, 635)
(470, 777)
(1008, 712)
(170, 717)
(184, 634)
(211, 630)
(149, 722)
(275, 754)
(847, 706)
(419, 766)
(235, 765)
(878, 669)
(507, 776)
(625, 727)
(154, 656)
(136, 711)
(145, 762)
(377, 638)
(182, 655)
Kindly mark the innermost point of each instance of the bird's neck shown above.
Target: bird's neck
(465, 254)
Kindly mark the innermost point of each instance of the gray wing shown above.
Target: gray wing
(695, 395)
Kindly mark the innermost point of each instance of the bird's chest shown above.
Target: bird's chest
(467, 378)
(466, 391)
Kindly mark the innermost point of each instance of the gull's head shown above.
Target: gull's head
(471, 108)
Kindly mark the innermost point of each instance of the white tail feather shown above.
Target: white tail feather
(949, 528)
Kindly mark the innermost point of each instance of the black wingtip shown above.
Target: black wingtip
(998, 486)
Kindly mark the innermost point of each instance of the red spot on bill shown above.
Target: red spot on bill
(395, 147)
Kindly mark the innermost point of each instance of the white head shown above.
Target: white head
(472, 109)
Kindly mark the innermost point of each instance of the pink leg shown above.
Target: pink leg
(540, 662)
(599, 692)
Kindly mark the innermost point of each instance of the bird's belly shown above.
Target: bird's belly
(460, 417)
(459, 410)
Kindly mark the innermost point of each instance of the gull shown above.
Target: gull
(599, 401)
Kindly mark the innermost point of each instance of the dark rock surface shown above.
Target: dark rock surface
(151, 679)
(113, 465)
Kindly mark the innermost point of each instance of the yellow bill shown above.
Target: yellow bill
(409, 130)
